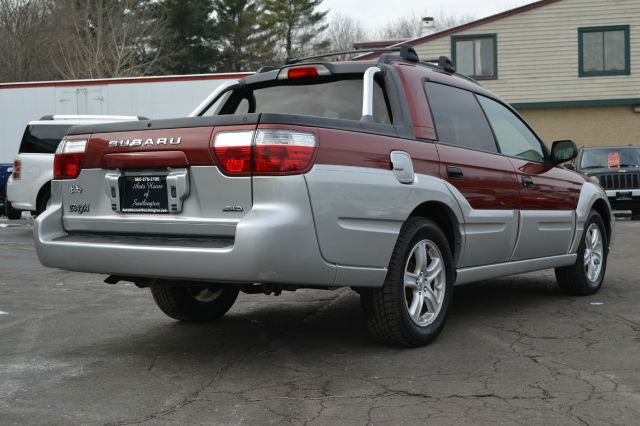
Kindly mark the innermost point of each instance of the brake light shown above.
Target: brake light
(303, 71)
(68, 159)
(283, 151)
(264, 152)
(17, 169)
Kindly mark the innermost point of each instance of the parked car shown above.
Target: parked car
(396, 177)
(5, 172)
(28, 187)
(617, 170)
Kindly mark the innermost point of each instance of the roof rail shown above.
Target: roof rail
(406, 52)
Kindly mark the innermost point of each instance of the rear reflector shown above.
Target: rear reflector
(264, 152)
(68, 159)
(17, 169)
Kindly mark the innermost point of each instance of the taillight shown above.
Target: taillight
(283, 151)
(264, 152)
(68, 159)
(233, 151)
(17, 169)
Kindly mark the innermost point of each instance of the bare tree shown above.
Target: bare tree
(344, 31)
(410, 26)
(24, 33)
(104, 38)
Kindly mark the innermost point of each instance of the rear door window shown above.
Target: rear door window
(42, 138)
(458, 118)
(340, 99)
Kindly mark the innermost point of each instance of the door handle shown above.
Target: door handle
(455, 173)
(527, 182)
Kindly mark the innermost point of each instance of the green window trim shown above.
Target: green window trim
(471, 37)
(572, 104)
(627, 40)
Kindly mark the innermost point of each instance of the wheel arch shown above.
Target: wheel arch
(602, 207)
(43, 190)
(446, 219)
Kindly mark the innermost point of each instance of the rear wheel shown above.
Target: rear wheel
(44, 202)
(411, 307)
(586, 275)
(635, 214)
(195, 304)
(10, 212)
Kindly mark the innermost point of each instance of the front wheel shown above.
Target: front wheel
(635, 214)
(195, 304)
(586, 275)
(411, 307)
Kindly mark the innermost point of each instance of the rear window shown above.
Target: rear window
(42, 138)
(335, 99)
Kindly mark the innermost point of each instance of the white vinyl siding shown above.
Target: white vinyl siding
(538, 55)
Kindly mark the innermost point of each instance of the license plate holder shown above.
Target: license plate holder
(144, 194)
(624, 196)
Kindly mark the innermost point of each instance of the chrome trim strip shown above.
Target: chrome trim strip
(479, 273)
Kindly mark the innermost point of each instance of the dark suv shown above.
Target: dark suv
(617, 169)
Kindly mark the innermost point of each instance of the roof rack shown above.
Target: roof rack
(406, 52)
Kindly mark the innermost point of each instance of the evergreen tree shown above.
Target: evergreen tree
(296, 25)
(243, 43)
(189, 45)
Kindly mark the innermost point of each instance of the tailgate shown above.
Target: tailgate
(156, 178)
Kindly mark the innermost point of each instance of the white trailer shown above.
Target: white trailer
(151, 97)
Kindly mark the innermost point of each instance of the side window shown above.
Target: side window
(458, 118)
(514, 137)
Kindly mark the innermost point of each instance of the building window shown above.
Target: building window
(476, 56)
(604, 51)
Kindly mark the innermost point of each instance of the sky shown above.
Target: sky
(376, 13)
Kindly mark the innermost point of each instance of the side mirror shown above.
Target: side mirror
(563, 151)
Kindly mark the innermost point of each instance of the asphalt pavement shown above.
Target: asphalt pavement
(74, 350)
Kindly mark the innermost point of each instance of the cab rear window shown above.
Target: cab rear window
(42, 138)
(340, 99)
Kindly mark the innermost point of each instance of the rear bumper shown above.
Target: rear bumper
(20, 194)
(275, 242)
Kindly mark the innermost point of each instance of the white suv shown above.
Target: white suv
(28, 187)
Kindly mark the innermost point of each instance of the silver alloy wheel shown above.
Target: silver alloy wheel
(593, 252)
(424, 282)
(205, 294)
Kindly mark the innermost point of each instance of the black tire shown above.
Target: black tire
(387, 310)
(187, 304)
(10, 212)
(574, 279)
(44, 200)
(635, 214)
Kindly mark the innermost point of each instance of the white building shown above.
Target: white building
(151, 97)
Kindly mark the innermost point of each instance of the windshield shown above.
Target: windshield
(43, 138)
(610, 157)
(333, 99)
